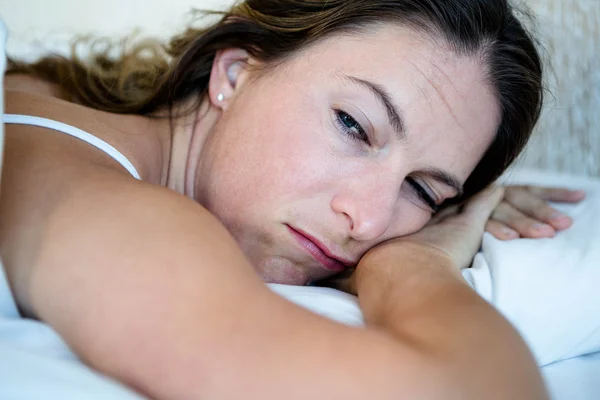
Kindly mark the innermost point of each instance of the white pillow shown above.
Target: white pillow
(548, 288)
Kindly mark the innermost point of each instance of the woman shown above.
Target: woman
(288, 142)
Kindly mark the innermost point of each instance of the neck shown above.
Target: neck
(182, 150)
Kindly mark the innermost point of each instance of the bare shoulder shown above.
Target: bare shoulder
(32, 84)
(119, 266)
(110, 225)
(130, 134)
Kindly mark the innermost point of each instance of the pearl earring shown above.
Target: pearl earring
(220, 97)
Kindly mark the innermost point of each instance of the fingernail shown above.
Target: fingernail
(509, 233)
(541, 227)
(557, 215)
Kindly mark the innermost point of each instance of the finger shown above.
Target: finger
(481, 206)
(484, 201)
(560, 195)
(445, 212)
(537, 208)
(526, 227)
(501, 231)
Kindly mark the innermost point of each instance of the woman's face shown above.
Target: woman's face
(352, 142)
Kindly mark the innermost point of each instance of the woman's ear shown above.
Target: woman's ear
(228, 68)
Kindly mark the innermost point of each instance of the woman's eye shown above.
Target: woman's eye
(423, 194)
(350, 127)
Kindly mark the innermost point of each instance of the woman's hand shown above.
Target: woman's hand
(524, 212)
(457, 233)
(450, 240)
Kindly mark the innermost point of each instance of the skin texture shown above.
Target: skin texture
(295, 166)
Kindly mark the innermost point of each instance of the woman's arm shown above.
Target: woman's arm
(479, 355)
(148, 287)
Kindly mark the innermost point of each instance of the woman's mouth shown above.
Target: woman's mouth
(319, 251)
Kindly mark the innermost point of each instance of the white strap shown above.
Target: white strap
(75, 132)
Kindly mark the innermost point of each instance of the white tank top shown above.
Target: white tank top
(75, 132)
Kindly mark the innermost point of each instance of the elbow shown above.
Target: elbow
(498, 369)
(478, 376)
(443, 380)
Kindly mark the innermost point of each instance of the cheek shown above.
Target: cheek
(258, 169)
(409, 216)
(408, 220)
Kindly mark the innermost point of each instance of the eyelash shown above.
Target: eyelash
(362, 136)
(422, 193)
(359, 134)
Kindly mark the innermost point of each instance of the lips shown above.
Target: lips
(319, 252)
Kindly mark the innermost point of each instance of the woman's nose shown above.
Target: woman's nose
(369, 207)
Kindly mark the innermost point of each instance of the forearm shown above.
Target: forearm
(427, 303)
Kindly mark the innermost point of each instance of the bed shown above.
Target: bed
(548, 288)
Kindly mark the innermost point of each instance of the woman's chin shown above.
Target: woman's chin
(283, 272)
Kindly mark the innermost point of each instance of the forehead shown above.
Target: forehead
(445, 99)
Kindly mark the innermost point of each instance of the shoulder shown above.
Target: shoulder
(129, 134)
(31, 84)
(110, 226)
(136, 277)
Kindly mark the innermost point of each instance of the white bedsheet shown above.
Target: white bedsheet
(574, 379)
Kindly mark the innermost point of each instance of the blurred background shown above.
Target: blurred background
(567, 138)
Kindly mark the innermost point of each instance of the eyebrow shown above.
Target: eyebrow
(394, 115)
(445, 178)
(396, 121)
